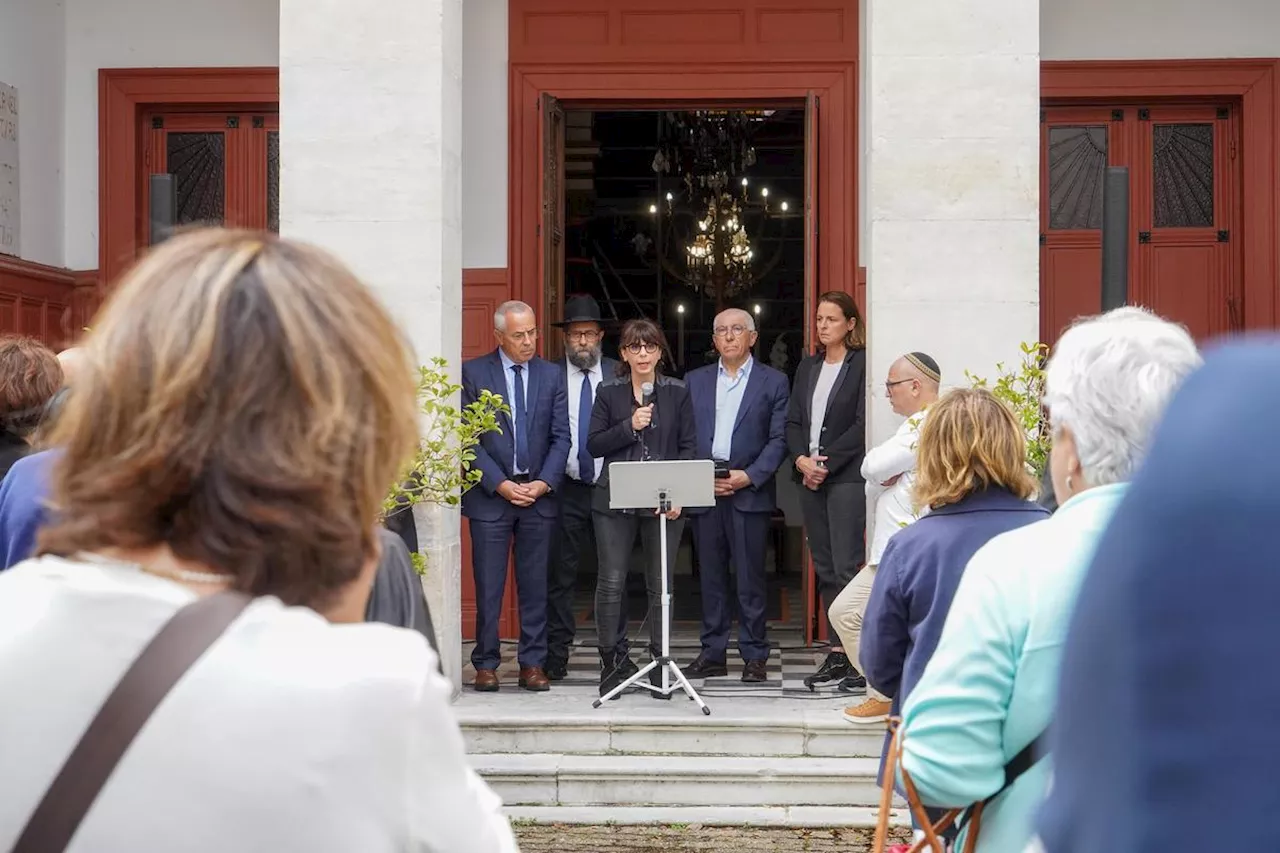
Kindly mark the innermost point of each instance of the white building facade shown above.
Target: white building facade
(408, 137)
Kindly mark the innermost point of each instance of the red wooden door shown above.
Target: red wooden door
(1076, 144)
(1184, 181)
(1184, 211)
(226, 166)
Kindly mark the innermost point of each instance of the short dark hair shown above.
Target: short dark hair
(641, 331)
(29, 376)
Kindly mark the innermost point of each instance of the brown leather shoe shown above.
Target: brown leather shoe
(533, 678)
(486, 681)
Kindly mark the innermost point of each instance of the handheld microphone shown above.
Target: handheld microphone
(646, 393)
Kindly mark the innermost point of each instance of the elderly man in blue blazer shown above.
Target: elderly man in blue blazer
(520, 467)
(740, 411)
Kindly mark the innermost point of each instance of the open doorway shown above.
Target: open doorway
(675, 215)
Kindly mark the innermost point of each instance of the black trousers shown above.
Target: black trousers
(574, 536)
(835, 519)
(616, 534)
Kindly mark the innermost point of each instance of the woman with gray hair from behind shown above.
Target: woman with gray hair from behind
(971, 730)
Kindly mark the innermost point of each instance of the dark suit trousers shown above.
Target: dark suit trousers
(835, 520)
(730, 541)
(574, 533)
(490, 544)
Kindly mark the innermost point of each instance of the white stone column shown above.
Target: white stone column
(370, 154)
(952, 140)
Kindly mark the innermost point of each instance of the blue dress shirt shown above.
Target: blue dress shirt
(510, 376)
(729, 393)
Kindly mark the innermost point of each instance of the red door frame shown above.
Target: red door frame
(1252, 82)
(124, 94)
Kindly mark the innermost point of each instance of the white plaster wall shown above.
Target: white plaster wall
(484, 133)
(1158, 29)
(953, 183)
(395, 218)
(32, 59)
(143, 34)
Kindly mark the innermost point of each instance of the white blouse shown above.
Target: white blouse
(289, 734)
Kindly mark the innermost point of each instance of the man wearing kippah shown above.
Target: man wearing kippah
(889, 470)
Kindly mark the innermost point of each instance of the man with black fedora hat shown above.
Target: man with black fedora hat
(585, 368)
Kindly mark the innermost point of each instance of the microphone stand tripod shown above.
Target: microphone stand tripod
(665, 661)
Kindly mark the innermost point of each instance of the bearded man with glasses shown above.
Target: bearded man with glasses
(584, 368)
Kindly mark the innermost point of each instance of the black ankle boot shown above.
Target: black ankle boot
(835, 668)
(611, 675)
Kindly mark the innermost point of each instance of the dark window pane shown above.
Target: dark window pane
(1077, 162)
(198, 163)
(1182, 169)
(273, 181)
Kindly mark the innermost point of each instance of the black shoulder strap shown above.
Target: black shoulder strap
(171, 652)
(1019, 764)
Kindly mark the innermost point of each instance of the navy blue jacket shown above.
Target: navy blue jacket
(917, 579)
(23, 494)
(548, 414)
(1167, 734)
(759, 441)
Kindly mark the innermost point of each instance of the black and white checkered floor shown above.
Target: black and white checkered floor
(789, 663)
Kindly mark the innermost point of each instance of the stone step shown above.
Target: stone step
(674, 780)
(759, 730)
(816, 817)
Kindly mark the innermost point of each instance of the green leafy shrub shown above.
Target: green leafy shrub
(1022, 389)
(441, 470)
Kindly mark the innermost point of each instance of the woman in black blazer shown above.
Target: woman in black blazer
(622, 430)
(826, 437)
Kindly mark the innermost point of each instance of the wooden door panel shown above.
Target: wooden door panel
(1177, 288)
(1185, 202)
(1077, 145)
(1072, 283)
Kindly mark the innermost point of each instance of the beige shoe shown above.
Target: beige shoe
(871, 711)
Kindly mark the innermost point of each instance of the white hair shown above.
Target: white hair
(512, 306)
(750, 322)
(1109, 381)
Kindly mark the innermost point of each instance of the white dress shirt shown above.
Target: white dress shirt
(894, 509)
(289, 733)
(576, 378)
(730, 391)
(509, 374)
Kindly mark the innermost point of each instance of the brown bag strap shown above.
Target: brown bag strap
(932, 830)
(171, 652)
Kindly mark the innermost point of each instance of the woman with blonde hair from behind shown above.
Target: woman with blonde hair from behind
(971, 473)
(244, 404)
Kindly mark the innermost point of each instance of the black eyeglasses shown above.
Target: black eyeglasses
(636, 349)
(888, 386)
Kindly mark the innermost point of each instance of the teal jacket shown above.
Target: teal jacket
(991, 685)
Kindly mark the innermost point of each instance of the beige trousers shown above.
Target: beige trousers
(846, 618)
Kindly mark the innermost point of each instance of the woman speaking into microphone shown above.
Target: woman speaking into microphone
(640, 416)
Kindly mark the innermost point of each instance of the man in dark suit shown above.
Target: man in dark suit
(584, 368)
(520, 466)
(740, 410)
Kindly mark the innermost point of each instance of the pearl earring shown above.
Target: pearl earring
(1070, 488)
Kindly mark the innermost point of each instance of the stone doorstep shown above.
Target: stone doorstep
(814, 817)
(819, 737)
(673, 780)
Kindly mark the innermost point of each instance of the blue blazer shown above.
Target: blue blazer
(759, 433)
(917, 579)
(548, 435)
